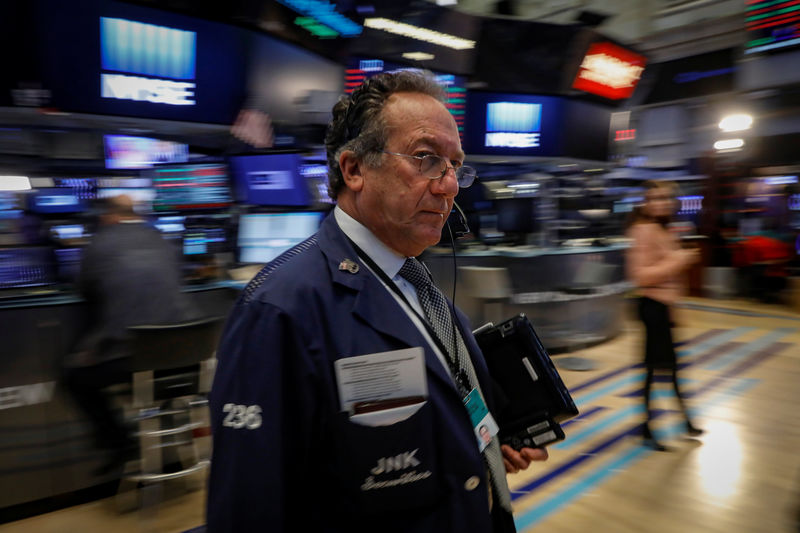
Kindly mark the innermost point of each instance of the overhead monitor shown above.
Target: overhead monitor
(133, 60)
(360, 69)
(264, 236)
(535, 125)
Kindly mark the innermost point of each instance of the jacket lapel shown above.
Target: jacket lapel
(373, 304)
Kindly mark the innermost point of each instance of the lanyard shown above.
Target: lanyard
(458, 373)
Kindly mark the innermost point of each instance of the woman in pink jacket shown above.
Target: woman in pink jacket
(655, 263)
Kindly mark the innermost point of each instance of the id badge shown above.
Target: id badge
(482, 420)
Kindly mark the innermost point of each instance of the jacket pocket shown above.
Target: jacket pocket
(388, 467)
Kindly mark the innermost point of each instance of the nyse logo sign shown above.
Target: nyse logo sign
(513, 125)
(147, 63)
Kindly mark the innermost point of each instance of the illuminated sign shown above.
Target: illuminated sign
(325, 14)
(609, 71)
(147, 63)
(513, 124)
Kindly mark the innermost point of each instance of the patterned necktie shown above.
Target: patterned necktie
(437, 312)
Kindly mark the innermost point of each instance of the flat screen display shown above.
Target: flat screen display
(142, 196)
(771, 25)
(360, 69)
(533, 125)
(264, 236)
(506, 123)
(127, 152)
(116, 58)
(270, 180)
(191, 186)
(25, 267)
(202, 241)
(53, 200)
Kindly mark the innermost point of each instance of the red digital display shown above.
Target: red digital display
(609, 71)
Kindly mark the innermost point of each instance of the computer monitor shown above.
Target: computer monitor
(71, 232)
(191, 186)
(264, 236)
(56, 201)
(127, 152)
(203, 241)
(26, 267)
(270, 180)
(142, 196)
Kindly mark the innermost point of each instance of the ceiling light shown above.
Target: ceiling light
(737, 122)
(14, 183)
(418, 56)
(728, 144)
(421, 34)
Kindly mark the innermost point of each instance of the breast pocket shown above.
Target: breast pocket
(391, 467)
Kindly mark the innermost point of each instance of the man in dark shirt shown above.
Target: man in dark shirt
(129, 276)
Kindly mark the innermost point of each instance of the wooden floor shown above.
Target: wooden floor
(742, 377)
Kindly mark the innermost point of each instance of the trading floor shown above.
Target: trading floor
(740, 370)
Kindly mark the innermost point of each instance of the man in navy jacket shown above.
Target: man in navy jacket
(286, 455)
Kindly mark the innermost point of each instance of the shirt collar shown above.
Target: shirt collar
(387, 259)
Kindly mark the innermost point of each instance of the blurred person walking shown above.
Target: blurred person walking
(655, 263)
(129, 276)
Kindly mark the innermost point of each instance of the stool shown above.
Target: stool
(172, 369)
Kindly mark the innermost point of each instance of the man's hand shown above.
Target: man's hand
(520, 460)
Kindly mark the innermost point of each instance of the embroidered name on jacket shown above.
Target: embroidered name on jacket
(395, 463)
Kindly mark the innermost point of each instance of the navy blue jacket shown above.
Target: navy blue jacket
(285, 458)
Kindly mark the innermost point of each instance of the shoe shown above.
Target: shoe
(693, 431)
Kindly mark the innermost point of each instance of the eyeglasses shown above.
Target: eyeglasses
(434, 167)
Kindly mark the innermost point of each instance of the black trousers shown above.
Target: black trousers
(659, 351)
(87, 385)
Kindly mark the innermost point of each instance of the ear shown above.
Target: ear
(352, 170)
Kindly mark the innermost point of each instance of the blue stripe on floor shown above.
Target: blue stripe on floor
(749, 348)
(713, 342)
(583, 416)
(610, 388)
(583, 485)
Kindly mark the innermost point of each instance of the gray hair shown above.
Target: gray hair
(358, 123)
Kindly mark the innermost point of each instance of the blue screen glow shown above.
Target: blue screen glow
(147, 49)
